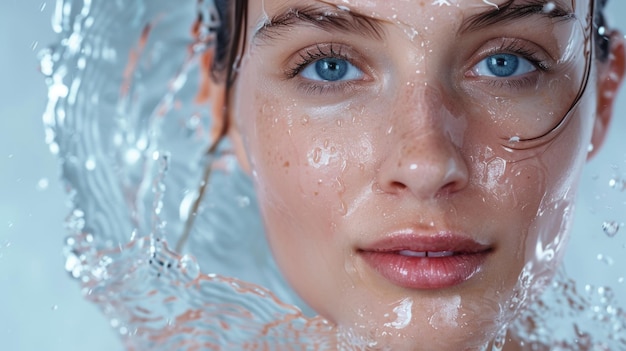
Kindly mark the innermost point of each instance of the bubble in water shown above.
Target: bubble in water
(610, 228)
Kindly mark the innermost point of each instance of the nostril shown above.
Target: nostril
(449, 188)
(397, 186)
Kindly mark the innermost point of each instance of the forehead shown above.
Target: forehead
(412, 13)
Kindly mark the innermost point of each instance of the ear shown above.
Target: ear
(610, 76)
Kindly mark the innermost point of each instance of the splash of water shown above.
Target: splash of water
(128, 166)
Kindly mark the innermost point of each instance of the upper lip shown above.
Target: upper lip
(434, 242)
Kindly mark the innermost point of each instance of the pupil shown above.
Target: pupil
(503, 65)
(331, 69)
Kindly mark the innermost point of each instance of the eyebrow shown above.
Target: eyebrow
(321, 17)
(514, 10)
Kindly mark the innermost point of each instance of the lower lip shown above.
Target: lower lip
(425, 272)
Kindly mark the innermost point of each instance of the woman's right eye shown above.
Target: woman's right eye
(331, 69)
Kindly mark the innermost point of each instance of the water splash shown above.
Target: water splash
(130, 167)
(565, 318)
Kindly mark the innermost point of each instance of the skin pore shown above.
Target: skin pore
(379, 130)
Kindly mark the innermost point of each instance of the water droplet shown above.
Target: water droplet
(549, 7)
(189, 266)
(73, 265)
(90, 164)
(243, 201)
(608, 260)
(514, 139)
(617, 184)
(42, 184)
(132, 156)
(317, 155)
(55, 307)
(610, 228)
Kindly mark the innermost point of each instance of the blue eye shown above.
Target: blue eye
(503, 66)
(331, 69)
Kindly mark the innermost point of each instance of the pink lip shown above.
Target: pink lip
(426, 262)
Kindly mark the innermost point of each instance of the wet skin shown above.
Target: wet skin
(412, 162)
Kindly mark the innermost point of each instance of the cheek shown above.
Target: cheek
(302, 161)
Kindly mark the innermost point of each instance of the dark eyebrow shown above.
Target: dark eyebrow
(322, 17)
(514, 10)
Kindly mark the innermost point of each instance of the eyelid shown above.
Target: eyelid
(523, 48)
(303, 58)
(298, 61)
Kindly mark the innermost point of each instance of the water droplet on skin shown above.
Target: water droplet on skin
(549, 7)
(514, 139)
(343, 209)
(499, 340)
(610, 228)
(317, 155)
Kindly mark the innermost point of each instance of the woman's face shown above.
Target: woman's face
(412, 160)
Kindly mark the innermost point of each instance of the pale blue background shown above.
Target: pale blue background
(40, 307)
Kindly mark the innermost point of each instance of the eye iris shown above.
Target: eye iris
(331, 69)
(503, 65)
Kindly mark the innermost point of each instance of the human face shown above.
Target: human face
(416, 161)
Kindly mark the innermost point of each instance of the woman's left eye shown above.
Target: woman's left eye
(331, 69)
(503, 66)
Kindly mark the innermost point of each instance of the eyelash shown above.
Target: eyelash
(515, 47)
(311, 55)
(321, 51)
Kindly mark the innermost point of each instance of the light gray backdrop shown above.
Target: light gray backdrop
(40, 306)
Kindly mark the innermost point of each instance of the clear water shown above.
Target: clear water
(129, 120)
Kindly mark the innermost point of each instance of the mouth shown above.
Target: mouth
(426, 262)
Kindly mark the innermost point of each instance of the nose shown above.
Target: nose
(425, 160)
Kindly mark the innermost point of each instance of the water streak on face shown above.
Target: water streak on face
(402, 152)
